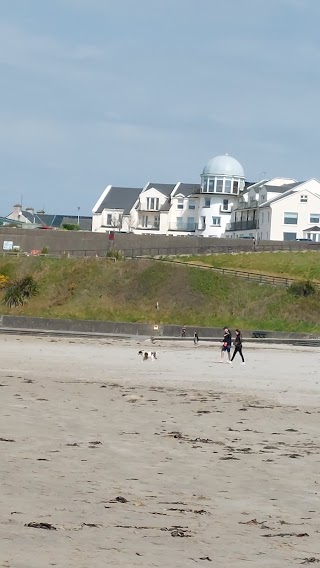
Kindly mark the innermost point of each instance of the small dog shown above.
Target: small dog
(148, 355)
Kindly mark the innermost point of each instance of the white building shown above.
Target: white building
(279, 209)
(222, 181)
(114, 209)
(294, 214)
(174, 209)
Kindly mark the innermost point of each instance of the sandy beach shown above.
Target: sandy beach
(107, 460)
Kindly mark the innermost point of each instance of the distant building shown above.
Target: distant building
(42, 219)
(279, 209)
(222, 204)
(176, 208)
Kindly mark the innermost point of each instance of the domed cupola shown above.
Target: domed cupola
(222, 174)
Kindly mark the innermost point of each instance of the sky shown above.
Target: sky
(122, 92)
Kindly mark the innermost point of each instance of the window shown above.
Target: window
(157, 222)
(211, 185)
(152, 203)
(235, 187)
(225, 205)
(315, 218)
(180, 203)
(303, 199)
(308, 235)
(192, 204)
(216, 221)
(227, 186)
(289, 236)
(290, 218)
(205, 186)
(219, 185)
(207, 202)
(262, 217)
(190, 224)
(109, 219)
(179, 222)
(145, 221)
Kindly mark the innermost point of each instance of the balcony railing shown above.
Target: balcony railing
(252, 204)
(153, 227)
(243, 225)
(144, 208)
(183, 227)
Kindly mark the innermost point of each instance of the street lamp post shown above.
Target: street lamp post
(78, 215)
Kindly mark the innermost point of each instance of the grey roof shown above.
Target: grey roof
(249, 184)
(282, 188)
(122, 198)
(187, 189)
(166, 206)
(312, 229)
(165, 188)
(57, 221)
(270, 201)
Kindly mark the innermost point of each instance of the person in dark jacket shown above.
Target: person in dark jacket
(226, 344)
(238, 346)
(195, 338)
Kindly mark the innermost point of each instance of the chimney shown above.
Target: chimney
(41, 212)
(30, 209)
(17, 211)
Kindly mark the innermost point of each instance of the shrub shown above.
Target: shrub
(117, 254)
(45, 250)
(70, 227)
(303, 288)
(3, 280)
(20, 291)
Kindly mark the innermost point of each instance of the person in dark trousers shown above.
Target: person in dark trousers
(195, 338)
(183, 331)
(238, 346)
(226, 344)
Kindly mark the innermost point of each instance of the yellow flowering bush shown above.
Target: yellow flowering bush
(3, 280)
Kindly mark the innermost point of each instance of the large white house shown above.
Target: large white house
(174, 209)
(222, 204)
(279, 209)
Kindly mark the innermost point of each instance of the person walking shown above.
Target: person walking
(226, 344)
(238, 346)
(195, 338)
(183, 331)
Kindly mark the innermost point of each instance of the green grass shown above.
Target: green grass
(99, 289)
(300, 265)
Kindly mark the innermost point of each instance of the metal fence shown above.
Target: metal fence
(251, 276)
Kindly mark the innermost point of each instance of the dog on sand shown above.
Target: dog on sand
(148, 355)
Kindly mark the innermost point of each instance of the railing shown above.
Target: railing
(187, 227)
(243, 225)
(253, 204)
(135, 252)
(148, 228)
(250, 276)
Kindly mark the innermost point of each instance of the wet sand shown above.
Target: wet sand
(178, 462)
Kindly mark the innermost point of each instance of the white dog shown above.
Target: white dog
(146, 355)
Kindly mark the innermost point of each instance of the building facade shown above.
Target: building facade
(175, 209)
(222, 204)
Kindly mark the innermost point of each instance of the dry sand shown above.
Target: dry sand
(215, 465)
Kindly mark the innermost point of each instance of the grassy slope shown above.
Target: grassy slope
(127, 291)
(304, 265)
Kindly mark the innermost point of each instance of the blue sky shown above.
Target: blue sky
(126, 91)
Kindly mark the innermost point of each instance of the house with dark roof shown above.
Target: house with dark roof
(40, 219)
(282, 211)
(175, 208)
(114, 209)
